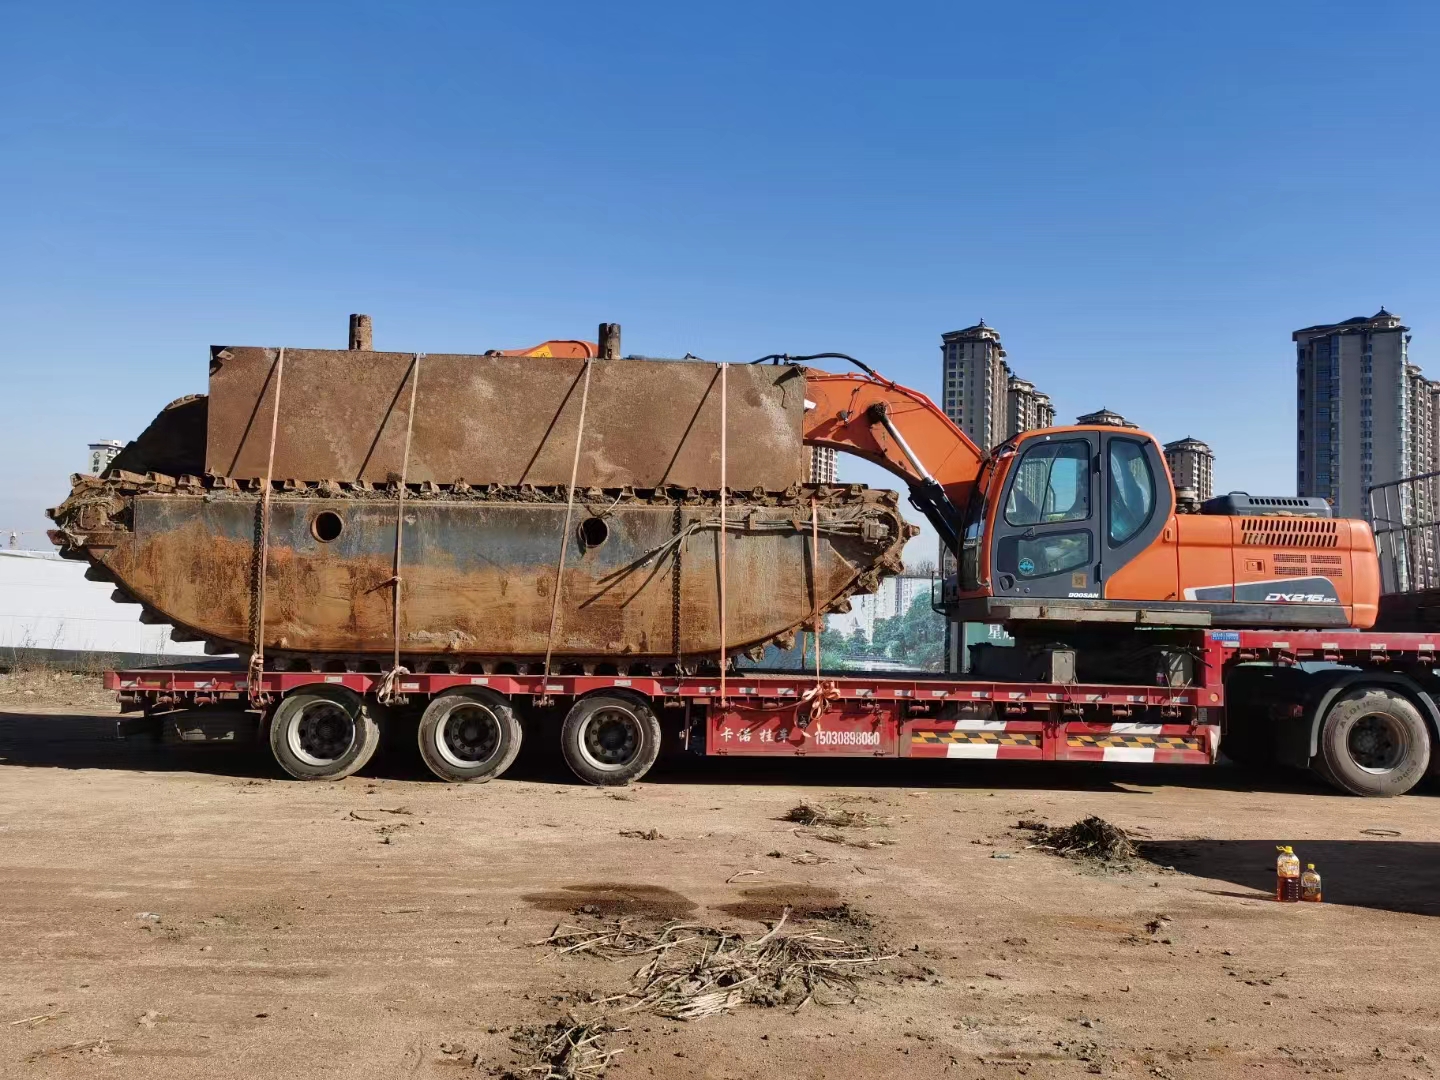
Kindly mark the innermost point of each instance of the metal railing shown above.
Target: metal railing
(1405, 517)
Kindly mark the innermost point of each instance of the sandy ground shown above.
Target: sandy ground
(180, 911)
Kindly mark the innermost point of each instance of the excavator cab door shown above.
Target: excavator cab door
(1138, 502)
(1046, 535)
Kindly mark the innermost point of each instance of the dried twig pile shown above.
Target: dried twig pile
(833, 816)
(1089, 838)
(568, 1049)
(695, 970)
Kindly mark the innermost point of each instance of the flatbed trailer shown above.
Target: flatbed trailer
(1357, 707)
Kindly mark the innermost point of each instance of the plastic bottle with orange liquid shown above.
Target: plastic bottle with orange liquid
(1287, 875)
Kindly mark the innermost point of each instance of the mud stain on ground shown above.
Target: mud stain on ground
(766, 903)
(613, 900)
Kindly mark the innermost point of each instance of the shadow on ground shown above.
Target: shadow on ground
(1391, 875)
(88, 741)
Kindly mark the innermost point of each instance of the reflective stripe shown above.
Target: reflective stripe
(1129, 753)
(972, 750)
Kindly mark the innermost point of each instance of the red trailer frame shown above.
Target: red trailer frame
(919, 716)
(862, 717)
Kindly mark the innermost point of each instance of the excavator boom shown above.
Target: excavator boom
(900, 430)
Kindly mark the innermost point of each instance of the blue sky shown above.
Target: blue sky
(1144, 198)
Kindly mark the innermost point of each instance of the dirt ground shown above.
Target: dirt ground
(179, 911)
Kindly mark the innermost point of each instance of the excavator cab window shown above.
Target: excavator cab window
(1132, 490)
(1052, 484)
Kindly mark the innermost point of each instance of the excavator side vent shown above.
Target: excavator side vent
(1289, 532)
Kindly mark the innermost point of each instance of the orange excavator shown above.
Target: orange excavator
(1077, 526)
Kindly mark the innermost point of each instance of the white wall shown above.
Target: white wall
(46, 604)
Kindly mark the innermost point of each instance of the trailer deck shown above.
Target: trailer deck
(845, 714)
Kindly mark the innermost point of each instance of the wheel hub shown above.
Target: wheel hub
(612, 738)
(324, 733)
(1377, 743)
(469, 735)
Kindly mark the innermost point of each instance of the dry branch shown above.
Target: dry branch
(1089, 838)
(833, 816)
(695, 970)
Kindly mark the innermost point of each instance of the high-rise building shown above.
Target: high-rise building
(1432, 460)
(1105, 416)
(1192, 465)
(1353, 409)
(820, 464)
(1428, 515)
(893, 597)
(1026, 408)
(987, 400)
(1419, 499)
(102, 453)
(976, 383)
(1044, 410)
(1421, 406)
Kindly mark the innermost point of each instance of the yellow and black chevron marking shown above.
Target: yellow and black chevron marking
(991, 738)
(1147, 742)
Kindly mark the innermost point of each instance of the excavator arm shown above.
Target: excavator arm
(902, 431)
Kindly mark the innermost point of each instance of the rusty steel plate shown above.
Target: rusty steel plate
(640, 579)
(502, 420)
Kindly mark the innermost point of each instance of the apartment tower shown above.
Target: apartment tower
(1025, 407)
(820, 462)
(1192, 465)
(1107, 417)
(976, 383)
(1354, 398)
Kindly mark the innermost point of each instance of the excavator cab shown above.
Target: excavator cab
(1081, 525)
(1070, 514)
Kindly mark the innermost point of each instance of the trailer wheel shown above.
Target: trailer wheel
(469, 735)
(610, 739)
(1373, 742)
(324, 733)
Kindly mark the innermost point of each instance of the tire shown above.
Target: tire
(323, 733)
(1373, 742)
(610, 739)
(469, 735)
